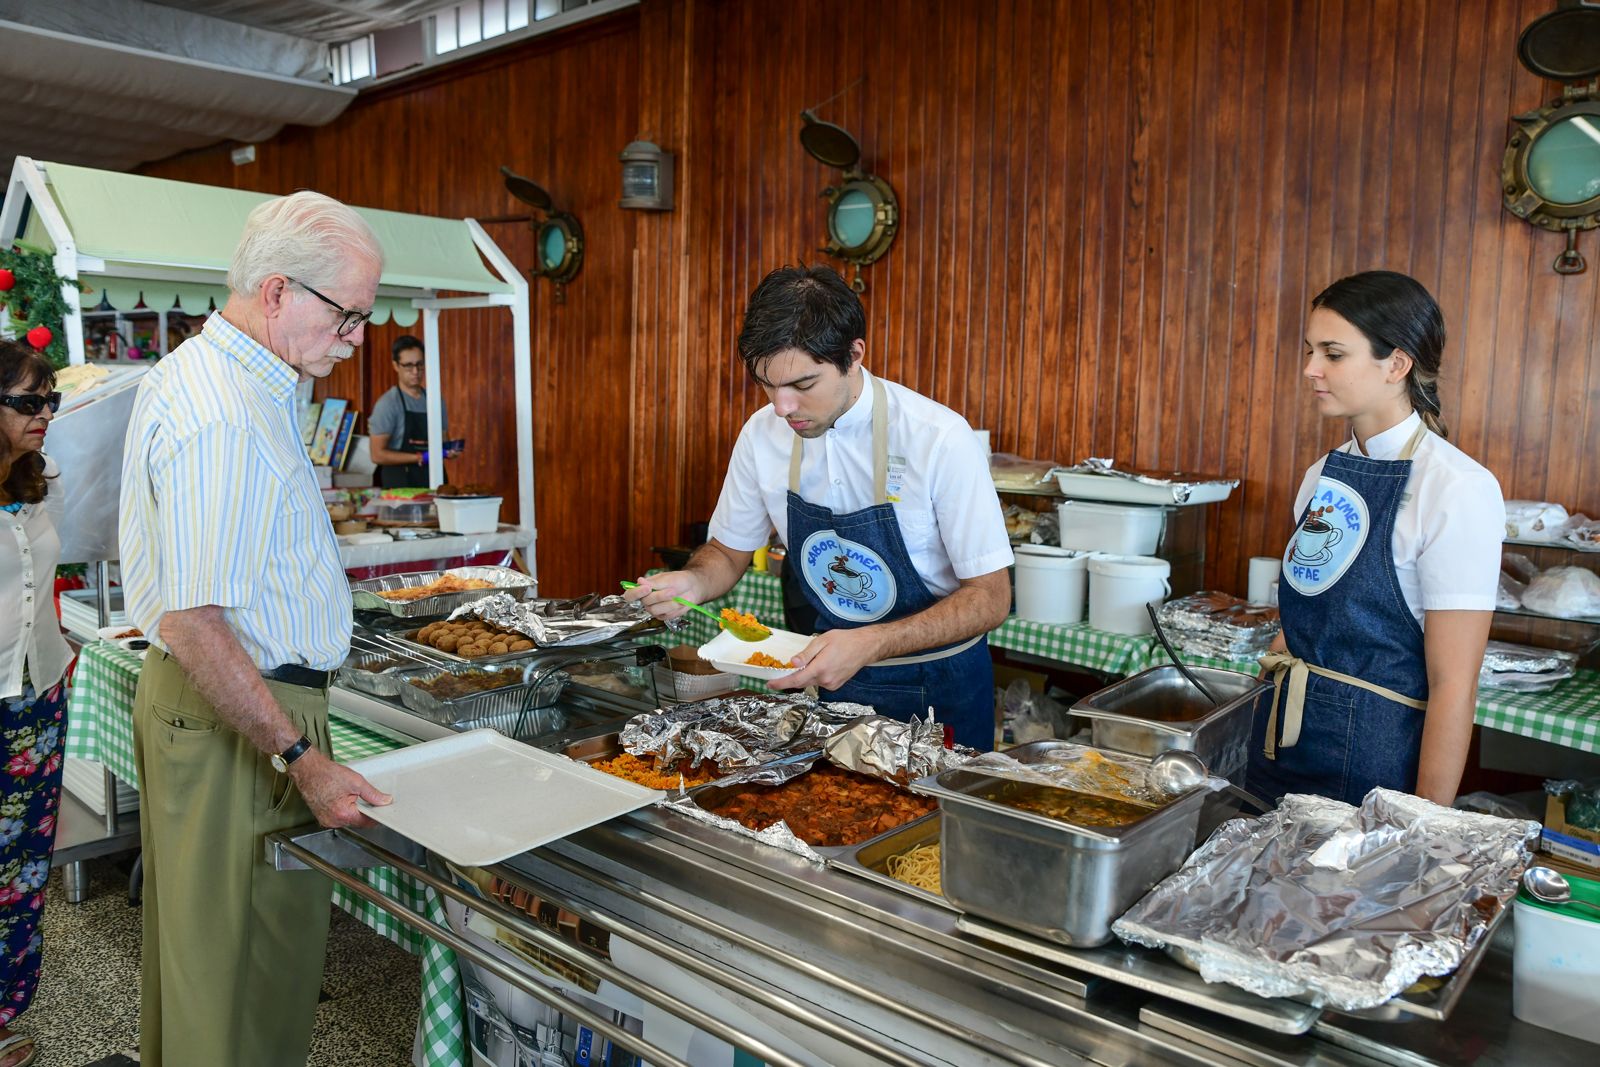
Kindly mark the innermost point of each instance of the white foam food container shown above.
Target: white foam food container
(479, 798)
(468, 514)
(1122, 529)
(727, 653)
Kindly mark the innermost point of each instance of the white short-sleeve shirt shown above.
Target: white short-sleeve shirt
(1452, 521)
(939, 484)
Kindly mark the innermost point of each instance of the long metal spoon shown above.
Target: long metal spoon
(1161, 635)
(739, 630)
(1552, 887)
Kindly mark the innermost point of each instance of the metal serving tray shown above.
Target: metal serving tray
(1057, 881)
(713, 790)
(407, 639)
(364, 594)
(506, 702)
(870, 860)
(1158, 710)
(357, 673)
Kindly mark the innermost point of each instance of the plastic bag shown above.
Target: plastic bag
(1509, 595)
(1011, 471)
(1534, 520)
(1582, 800)
(1518, 566)
(1030, 716)
(1565, 592)
(1494, 804)
(1582, 533)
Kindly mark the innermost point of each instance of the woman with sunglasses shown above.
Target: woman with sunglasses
(33, 658)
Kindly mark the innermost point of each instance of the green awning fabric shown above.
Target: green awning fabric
(138, 225)
(125, 294)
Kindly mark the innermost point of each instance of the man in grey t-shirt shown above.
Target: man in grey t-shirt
(398, 424)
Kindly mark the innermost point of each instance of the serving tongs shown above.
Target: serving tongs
(383, 644)
(535, 674)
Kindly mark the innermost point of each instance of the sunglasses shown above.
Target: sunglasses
(349, 320)
(30, 404)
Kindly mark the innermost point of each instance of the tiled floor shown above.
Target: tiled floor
(87, 1008)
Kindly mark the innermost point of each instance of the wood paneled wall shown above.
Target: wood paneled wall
(1114, 215)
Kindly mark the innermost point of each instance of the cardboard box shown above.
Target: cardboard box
(1574, 844)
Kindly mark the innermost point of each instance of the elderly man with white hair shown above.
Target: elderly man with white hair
(230, 567)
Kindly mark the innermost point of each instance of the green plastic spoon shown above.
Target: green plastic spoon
(742, 632)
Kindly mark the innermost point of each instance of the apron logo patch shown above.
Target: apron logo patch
(1329, 538)
(852, 579)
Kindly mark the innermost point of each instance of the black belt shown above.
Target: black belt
(294, 674)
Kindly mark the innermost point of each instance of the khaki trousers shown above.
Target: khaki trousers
(233, 949)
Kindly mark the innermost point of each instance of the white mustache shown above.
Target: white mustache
(340, 351)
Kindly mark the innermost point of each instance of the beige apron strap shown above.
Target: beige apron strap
(1415, 442)
(1286, 667)
(929, 657)
(794, 464)
(880, 442)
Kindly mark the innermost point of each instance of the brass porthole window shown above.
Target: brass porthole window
(863, 212)
(557, 238)
(1550, 173)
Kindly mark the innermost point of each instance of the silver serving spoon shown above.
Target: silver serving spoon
(1552, 887)
(1174, 771)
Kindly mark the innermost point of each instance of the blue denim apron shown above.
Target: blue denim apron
(855, 570)
(1354, 683)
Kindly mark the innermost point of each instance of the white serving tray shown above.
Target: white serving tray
(1081, 486)
(728, 653)
(479, 798)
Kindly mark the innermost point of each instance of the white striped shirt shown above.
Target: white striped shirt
(220, 505)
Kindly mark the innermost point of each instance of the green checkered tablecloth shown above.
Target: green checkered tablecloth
(100, 727)
(1568, 715)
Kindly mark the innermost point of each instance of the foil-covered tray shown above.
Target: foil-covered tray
(1101, 479)
(737, 731)
(1524, 668)
(1348, 907)
(364, 594)
(584, 620)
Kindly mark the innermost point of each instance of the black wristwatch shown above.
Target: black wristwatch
(282, 760)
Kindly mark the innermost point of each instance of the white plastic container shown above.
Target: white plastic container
(1120, 587)
(1122, 529)
(468, 515)
(1555, 972)
(1052, 584)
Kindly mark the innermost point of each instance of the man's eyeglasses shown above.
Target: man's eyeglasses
(30, 404)
(349, 320)
(410, 366)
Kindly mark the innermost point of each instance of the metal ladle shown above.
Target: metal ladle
(1161, 635)
(1552, 887)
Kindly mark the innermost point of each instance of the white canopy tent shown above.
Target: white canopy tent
(130, 237)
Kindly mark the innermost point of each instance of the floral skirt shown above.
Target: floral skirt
(33, 729)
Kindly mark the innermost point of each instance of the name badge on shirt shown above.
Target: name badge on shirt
(852, 579)
(1329, 538)
(896, 479)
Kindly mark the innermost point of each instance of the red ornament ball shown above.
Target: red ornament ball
(40, 337)
(8, 280)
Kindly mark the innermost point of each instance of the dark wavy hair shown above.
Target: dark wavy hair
(1393, 311)
(809, 308)
(22, 370)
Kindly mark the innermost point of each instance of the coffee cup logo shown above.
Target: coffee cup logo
(1315, 541)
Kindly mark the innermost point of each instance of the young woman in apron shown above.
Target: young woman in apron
(1389, 582)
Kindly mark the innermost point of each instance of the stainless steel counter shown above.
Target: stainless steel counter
(839, 970)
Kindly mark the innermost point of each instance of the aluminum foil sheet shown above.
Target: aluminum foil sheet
(1342, 906)
(736, 732)
(1083, 770)
(560, 623)
(778, 835)
(1182, 485)
(893, 749)
(1524, 669)
(1218, 625)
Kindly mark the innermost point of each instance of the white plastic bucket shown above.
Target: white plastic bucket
(468, 515)
(1120, 587)
(1051, 584)
(1122, 529)
(1555, 972)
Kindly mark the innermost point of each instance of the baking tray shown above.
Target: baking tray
(356, 673)
(365, 597)
(713, 790)
(506, 701)
(480, 798)
(1078, 485)
(870, 860)
(406, 640)
(1159, 710)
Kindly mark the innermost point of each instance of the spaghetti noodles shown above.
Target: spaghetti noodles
(917, 867)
